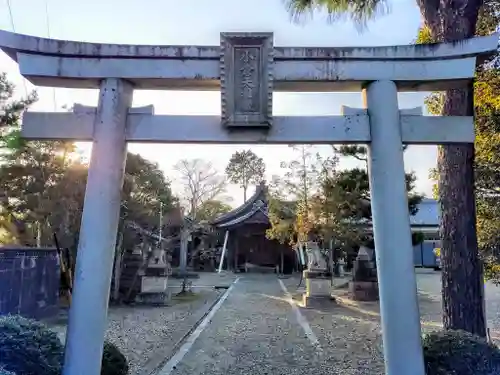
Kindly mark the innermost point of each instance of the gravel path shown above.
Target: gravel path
(350, 338)
(254, 332)
(257, 331)
(147, 335)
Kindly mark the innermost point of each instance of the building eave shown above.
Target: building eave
(241, 219)
(232, 215)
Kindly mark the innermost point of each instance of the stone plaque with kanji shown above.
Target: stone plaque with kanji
(246, 79)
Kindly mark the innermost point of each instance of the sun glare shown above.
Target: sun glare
(83, 149)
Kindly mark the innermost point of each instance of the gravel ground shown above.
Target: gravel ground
(354, 333)
(350, 338)
(254, 332)
(429, 285)
(148, 335)
(257, 331)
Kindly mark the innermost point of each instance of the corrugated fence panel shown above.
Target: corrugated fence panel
(428, 256)
(417, 255)
(29, 282)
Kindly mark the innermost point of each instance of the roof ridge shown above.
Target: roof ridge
(260, 188)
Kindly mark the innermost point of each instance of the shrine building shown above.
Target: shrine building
(248, 248)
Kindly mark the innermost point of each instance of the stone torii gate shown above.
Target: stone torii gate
(246, 68)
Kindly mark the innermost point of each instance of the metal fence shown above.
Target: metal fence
(423, 254)
(29, 282)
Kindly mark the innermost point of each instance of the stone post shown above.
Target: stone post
(96, 247)
(391, 225)
(183, 251)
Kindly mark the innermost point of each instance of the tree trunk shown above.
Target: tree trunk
(38, 234)
(244, 194)
(462, 274)
(461, 267)
(118, 266)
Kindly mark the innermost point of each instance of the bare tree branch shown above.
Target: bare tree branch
(201, 182)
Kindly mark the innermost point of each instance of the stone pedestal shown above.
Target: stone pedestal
(363, 290)
(318, 287)
(364, 286)
(154, 282)
(154, 290)
(178, 274)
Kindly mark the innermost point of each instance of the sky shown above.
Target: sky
(199, 22)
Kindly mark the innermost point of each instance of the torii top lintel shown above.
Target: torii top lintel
(59, 63)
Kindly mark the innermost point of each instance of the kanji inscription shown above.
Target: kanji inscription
(246, 79)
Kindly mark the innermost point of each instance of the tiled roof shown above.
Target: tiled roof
(260, 194)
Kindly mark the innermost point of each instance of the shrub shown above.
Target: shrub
(28, 347)
(5, 372)
(113, 361)
(459, 353)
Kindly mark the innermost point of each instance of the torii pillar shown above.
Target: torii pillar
(401, 332)
(96, 248)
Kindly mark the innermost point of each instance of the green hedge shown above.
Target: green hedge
(113, 361)
(28, 347)
(5, 372)
(459, 353)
